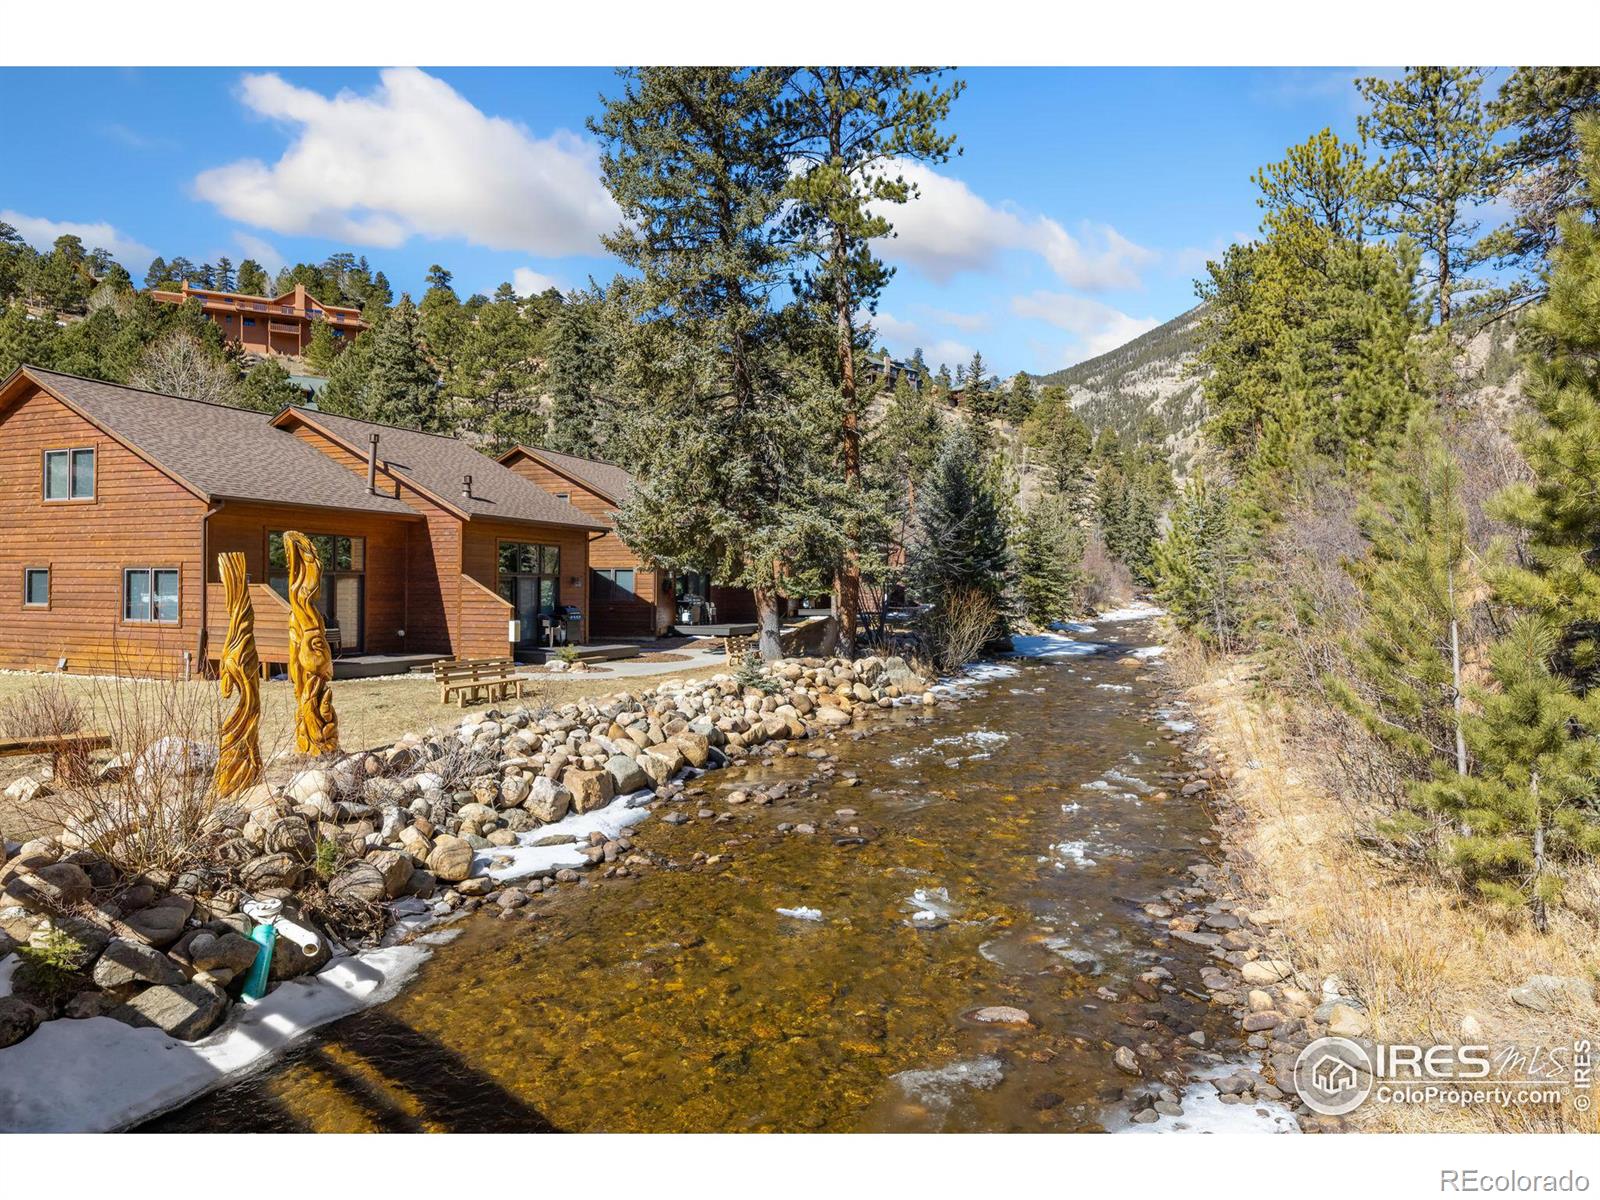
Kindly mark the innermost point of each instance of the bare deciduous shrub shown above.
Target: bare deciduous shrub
(45, 710)
(955, 629)
(151, 807)
(1105, 580)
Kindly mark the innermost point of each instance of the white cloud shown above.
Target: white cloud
(263, 251)
(413, 157)
(947, 228)
(971, 322)
(41, 233)
(1097, 327)
(525, 281)
(902, 337)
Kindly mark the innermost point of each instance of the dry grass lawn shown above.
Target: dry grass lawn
(1422, 957)
(372, 712)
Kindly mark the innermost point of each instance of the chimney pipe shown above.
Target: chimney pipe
(372, 467)
(466, 487)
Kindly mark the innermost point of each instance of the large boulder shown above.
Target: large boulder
(626, 775)
(451, 860)
(694, 747)
(1550, 993)
(307, 786)
(126, 963)
(18, 1019)
(514, 790)
(590, 789)
(830, 715)
(186, 1011)
(548, 800)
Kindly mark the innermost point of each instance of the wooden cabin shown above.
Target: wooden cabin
(115, 502)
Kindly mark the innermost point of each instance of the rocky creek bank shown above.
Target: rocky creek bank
(374, 846)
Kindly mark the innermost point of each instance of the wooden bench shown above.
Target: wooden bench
(485, 679)
(64, 749)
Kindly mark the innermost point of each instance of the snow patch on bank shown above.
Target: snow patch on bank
(525, 859)
(1052, 646)
(1139, 610)
(1205, 1112)
(99, 1075)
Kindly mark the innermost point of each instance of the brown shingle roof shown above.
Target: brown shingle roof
(220, 452)
(609, 480)
(436, 463)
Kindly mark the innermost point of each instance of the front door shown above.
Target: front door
(529, 575)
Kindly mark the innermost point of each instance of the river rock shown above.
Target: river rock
(291, 836)
(626, 775)
(18, 1019)
(50, 887)
(1002, 1014)
(590, 789)
(163, 921)
(185, 1011)
(396, 869)
(695, 747)
(514, 790)
(271, 872)
(547, 800)
(231, 951)
(828, 714)
(1126, 1061)
(125, 963)
(360, 881)
(1266, 970)
(1347, 1021)
(451, 859)
(308, 786)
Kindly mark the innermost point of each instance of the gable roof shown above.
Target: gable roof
(435, 464)
(607, 480)
(217, 452)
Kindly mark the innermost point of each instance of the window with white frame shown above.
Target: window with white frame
(150, 595)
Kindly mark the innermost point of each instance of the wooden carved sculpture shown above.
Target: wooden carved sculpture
(316, 729)
(239, 748)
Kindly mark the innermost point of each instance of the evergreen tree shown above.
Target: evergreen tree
(252, 280)
(1050, 547)
(1540, 170)
(402, 387)
(1439, 165)
(849, 129)
(266, 388)
(1415, 582)
(24, 341)
(497, 371)
(1063, 442)
(157, 275)
(223, 278)
(696, 160)
(322, 349)
(960, 535)
(579, 369)
(1528, 809)
(1198, 562)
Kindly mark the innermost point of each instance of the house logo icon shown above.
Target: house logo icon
(1333, 1076)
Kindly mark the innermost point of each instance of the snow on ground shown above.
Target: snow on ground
(7, 965)
(99, 1075)
(1204, 1111)
(1052, 646)
(1072, 627)
(1139, 610)
(1149, 651)
(528, 859)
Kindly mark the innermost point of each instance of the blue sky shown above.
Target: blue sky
(1083, 204)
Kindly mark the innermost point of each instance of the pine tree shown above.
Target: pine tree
(1415, 582)
(157, 274)
(497, 372)
(721, 427)
(1197, 564)
(1050, 545)
(266, 388)
(1439, 165)
(579, 369)
(1528, 809)
(402, 388)
(252, 279)
(849, 131)
(961, 539)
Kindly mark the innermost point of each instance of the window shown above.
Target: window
(530, 579)
(622, 577)
(69, 474)
(342, 600)
(36, 587)
(150, 594)
(249, 320)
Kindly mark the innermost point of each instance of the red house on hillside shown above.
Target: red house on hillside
(266, 325)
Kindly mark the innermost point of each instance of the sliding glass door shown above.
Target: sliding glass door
(344, 585)
(529, 580)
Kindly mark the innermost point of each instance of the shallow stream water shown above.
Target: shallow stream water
(992, 852)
